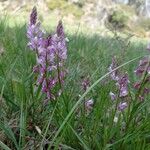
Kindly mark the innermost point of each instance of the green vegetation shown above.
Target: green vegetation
(66, 8)
(26, 123)
(144, 23)
(118, 19)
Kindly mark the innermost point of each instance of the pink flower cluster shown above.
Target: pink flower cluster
(51, 53)
(143, 70)
(34, 31)
(85, 84)
(121, 83)
(89, 103)
(142, 86)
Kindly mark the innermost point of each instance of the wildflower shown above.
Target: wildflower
(141, 98)
(61, 42)
(67, 40)
(45, 62)
(123, 85)
(144, 91)
(34, 31)
(36, 69)
(33, 16)
(114, 74)
(89, 104)
(143, 67)
(59, 92)
(85, 84)
(122, 106)
(137, 85)
(60, 30)
(115, 119)
(112, 95)
(51, 53)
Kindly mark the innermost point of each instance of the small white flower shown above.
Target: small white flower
(66, 39)
(112, 95)
(115, 119)
(38, 130)
(89, 104)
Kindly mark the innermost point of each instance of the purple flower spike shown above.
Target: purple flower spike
(36, 69)
(51, 53)
(59, 41)
(123, 85)
(145, 90)
(33, 16)
(122, 106)
(137, 85)
(89, 104)
(34, 32)
(142, 67)
(85, 84)
(49, 41)
(60, 29)
(114, 74)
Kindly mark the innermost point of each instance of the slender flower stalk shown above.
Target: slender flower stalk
(89, 104)
(33, 16)
(121, 84)
(85, 84)
(34, 32)
(114, 74)
(143, 67)
(122, 106)
(143, 70)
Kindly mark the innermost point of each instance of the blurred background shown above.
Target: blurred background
(130, 16)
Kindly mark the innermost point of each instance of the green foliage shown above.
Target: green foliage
(66, 8)
(80, 3)
(144, 23)
(52, 4)
(73, 9)
(127, 9)
(118, 19)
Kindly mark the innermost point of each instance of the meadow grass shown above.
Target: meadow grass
(25, 123)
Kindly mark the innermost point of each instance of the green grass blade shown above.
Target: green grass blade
(4, 146)
(80, 139)
(22, 127)
(8, 131)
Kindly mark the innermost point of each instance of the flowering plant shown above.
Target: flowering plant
(51, 53)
